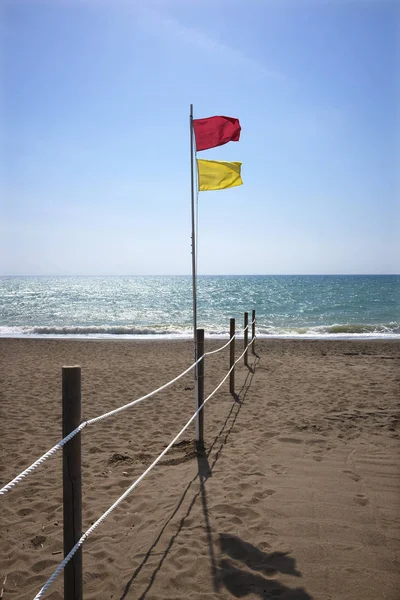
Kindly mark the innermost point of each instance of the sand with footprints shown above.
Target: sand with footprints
(296, 495)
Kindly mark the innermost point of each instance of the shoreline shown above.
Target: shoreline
(395, 337)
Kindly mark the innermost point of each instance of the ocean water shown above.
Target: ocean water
(318, 306)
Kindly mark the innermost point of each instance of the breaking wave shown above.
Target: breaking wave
(93, 331)
(336, 330)
(390, 330)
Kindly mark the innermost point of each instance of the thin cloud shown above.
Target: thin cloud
(174, 29)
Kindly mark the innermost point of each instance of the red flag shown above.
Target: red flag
(215, 131)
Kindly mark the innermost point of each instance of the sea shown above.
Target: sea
(138, 307)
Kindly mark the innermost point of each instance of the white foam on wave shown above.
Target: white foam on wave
(391, 331)
(335, 331)
(94, 331)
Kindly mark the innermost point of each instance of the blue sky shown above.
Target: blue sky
(94, 135)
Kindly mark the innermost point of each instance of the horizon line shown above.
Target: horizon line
(339, 274)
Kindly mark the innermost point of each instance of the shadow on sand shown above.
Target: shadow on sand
(225, 571)
(241, 582)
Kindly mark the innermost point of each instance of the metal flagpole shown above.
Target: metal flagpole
(196, 370)
(193, 228)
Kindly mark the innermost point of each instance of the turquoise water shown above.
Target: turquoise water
(289, 306)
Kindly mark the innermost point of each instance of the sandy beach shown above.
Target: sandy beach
(297, 496)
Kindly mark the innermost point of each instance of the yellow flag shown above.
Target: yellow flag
(218, 175)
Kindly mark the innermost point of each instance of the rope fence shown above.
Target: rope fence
(131, 488)
(219, 349)
(74, 591)
(73, 433)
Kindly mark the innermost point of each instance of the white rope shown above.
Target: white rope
(41, 460)
(80, 542)
(228, 373)
(222, 347)
(163, 387)
(248, 325)
(60, 444)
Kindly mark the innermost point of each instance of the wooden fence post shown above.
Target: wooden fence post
(200, 386)
(246, 335)
(72, 481)
(253, 330)
(232, 356)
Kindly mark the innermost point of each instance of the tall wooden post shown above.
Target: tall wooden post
(72, 481)
(232, 356)
(253, 331)
(200, 386)
(246, 335)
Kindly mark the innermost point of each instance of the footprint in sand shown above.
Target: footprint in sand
(24, 512)
(262, 494)
(279, 469)
(318, 457)
(316, 448)
(361, 499)
(352, 475)
(269, 434)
